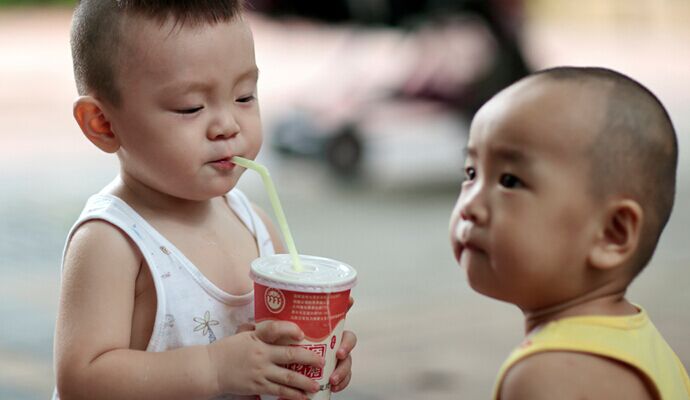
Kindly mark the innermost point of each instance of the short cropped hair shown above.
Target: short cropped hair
(634, 152)
(96, 35)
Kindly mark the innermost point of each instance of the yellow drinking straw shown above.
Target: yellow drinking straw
(277, 208)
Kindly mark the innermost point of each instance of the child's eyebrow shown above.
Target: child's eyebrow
(506, 154)
(252, 73)
(201, 86)
(186, 87)
(511, 155)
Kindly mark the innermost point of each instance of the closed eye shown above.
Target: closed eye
(191, 110)
(246, 99)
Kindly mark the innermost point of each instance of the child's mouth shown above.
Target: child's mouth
(223, 164)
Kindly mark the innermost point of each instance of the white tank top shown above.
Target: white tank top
(191, 310)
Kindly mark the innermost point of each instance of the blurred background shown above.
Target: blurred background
(366, 106)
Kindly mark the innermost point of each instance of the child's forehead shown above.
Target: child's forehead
(166, 51)
(538, 117)
(134, 26)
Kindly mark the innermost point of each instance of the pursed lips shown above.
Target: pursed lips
(466, 241)
(221, 159)
(223, 163)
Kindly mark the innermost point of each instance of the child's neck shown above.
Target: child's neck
(148, 200)
(594, 303)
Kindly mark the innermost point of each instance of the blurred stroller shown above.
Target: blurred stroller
(407, 68)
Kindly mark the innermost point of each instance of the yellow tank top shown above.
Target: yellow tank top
(632, 340)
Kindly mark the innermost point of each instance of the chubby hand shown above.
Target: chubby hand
(252, 361)
(342, 374)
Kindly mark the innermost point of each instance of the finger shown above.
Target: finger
(245, 328)
(292, 379)
(273, 332)
(284, 392)
(342, 385)
(295, 355)
(348, 343)
(350, 303)
(342, 370)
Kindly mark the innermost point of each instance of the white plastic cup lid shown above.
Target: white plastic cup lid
(320, 275)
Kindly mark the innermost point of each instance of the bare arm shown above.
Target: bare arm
(92, 354)
(571, 376)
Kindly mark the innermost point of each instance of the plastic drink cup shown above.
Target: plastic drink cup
(313, 292)
(315, 298)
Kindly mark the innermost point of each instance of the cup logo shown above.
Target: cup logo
(275, 300)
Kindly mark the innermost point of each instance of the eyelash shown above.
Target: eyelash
(193, 110)
(515, 182)
(246, 99)
(189, 110)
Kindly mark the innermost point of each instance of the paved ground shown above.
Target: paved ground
(422, 332)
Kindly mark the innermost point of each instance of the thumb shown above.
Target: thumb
(278, 332)
(245, 328)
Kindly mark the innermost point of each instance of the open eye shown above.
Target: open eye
(470, 173)
(510, 181)
(190, 110)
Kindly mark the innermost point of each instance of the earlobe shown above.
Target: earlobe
(618, 239)
(88, 112)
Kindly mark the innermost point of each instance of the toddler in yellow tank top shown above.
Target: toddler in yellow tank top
(569, 182)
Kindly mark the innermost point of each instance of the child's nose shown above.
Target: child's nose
(224, 128)
(473, 205)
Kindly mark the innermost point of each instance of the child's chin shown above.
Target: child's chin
(210, 193)
(478, 285)
(221, 188)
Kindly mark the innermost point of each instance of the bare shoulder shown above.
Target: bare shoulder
(571, 375)
(102, 241)
(96, 295)
(272, 231)
(261, 213)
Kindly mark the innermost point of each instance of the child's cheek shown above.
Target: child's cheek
(455, 237)
(453, 228)
(454, 217)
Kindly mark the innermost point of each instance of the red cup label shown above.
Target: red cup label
(321, 316)
(317, 314)
(308, 370)
(275, 300)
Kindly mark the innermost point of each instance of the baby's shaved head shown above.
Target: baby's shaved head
(634, 152)
(97, 35)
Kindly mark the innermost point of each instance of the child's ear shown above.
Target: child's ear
(93, 122)
(619, 236)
